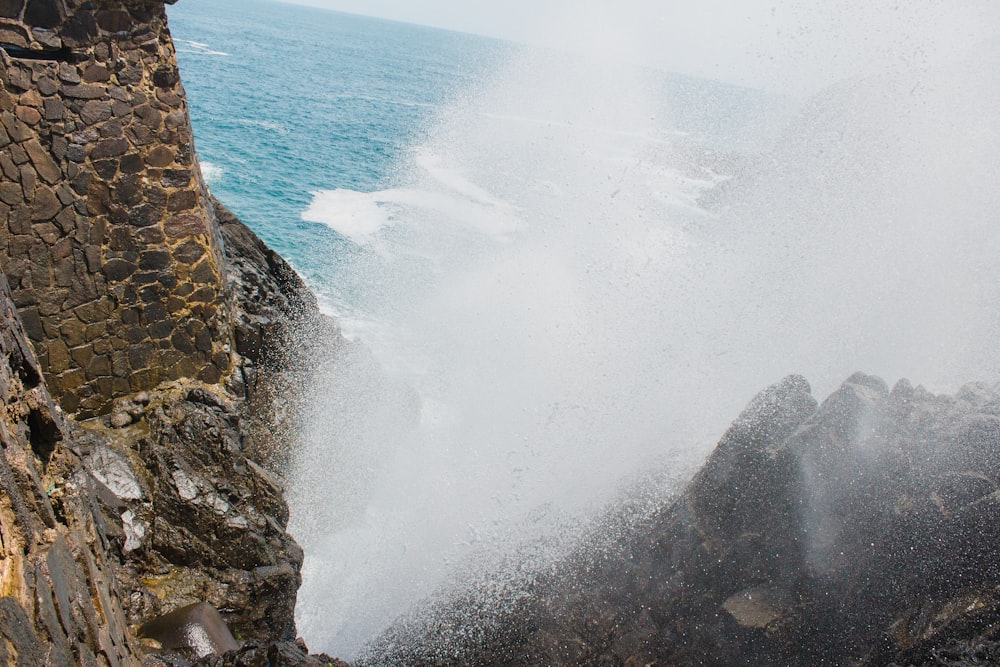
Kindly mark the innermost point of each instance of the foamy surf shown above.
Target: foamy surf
(189, 46)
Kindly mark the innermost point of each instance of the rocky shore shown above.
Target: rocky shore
(152, 355)
(858, 531)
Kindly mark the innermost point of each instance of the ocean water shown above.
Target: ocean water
(583, 269)
(288, 100)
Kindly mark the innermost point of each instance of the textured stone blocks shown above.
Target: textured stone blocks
(110, 245)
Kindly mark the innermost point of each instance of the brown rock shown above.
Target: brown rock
(176, 178)
(19, 77)
(84, 91)
(28, 115)
(46, 86)
(8, 167)
(131, 163)
(117, 270)
(68, 73)
(96, 73)
(13, 35)
(30, 98)
(109, 148)
(29, 179)
(46, 166)
(161, 156)
(11, 193)
(17, 130)
(114, 21)
(181, 200)
(95, 111)
(184, 224)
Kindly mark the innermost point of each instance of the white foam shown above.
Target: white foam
(360, 216)
(199, 48)
(210, 172)
(354, 215)
(513, 283)
(568, 311)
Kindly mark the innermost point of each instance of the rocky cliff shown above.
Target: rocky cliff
(860, 531)
(149, 341)
(152, 350)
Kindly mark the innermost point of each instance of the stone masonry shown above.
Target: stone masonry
(108, 240)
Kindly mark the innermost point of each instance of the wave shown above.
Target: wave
(519, 278)
(189, 46)
(210, 172)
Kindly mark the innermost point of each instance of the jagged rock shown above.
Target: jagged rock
(860, 531)
(278, 654)
(281, 336)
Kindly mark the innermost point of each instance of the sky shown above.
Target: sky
(792, 46)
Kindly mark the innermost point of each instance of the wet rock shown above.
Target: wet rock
(859, 531)
(278, 654)
(194, 631)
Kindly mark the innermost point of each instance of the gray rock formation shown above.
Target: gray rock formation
(860, 531)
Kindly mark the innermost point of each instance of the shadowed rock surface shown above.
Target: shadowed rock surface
(167, 335)
(860, 531)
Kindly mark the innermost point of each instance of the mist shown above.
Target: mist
(577, 287)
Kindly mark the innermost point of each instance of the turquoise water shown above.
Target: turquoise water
(287, 100)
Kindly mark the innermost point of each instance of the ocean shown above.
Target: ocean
(583, 269)
(290, 101)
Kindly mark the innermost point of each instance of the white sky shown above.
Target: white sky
(794, 46)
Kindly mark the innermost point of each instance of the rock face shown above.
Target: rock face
(860, 531)
(133, 421)
(105, 527)
(112, 252)
(60, 603)
(280, 338)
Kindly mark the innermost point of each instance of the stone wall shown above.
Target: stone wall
(60, 602)
(111, 247)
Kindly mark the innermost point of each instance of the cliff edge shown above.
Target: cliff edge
(146, 335)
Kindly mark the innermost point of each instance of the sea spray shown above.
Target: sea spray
(575, 290)
(523, 282)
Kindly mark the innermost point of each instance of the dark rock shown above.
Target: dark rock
(166, 77)
(858, 532)
(117, 270)
(185, 224)
(194, 631)
(95, 111)
(83, 91)
(109, 148)
(43, 13)
(176, 178)
(17, 630)
(154, 259)
(278, 654)
(11, 8)
(45, 206)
